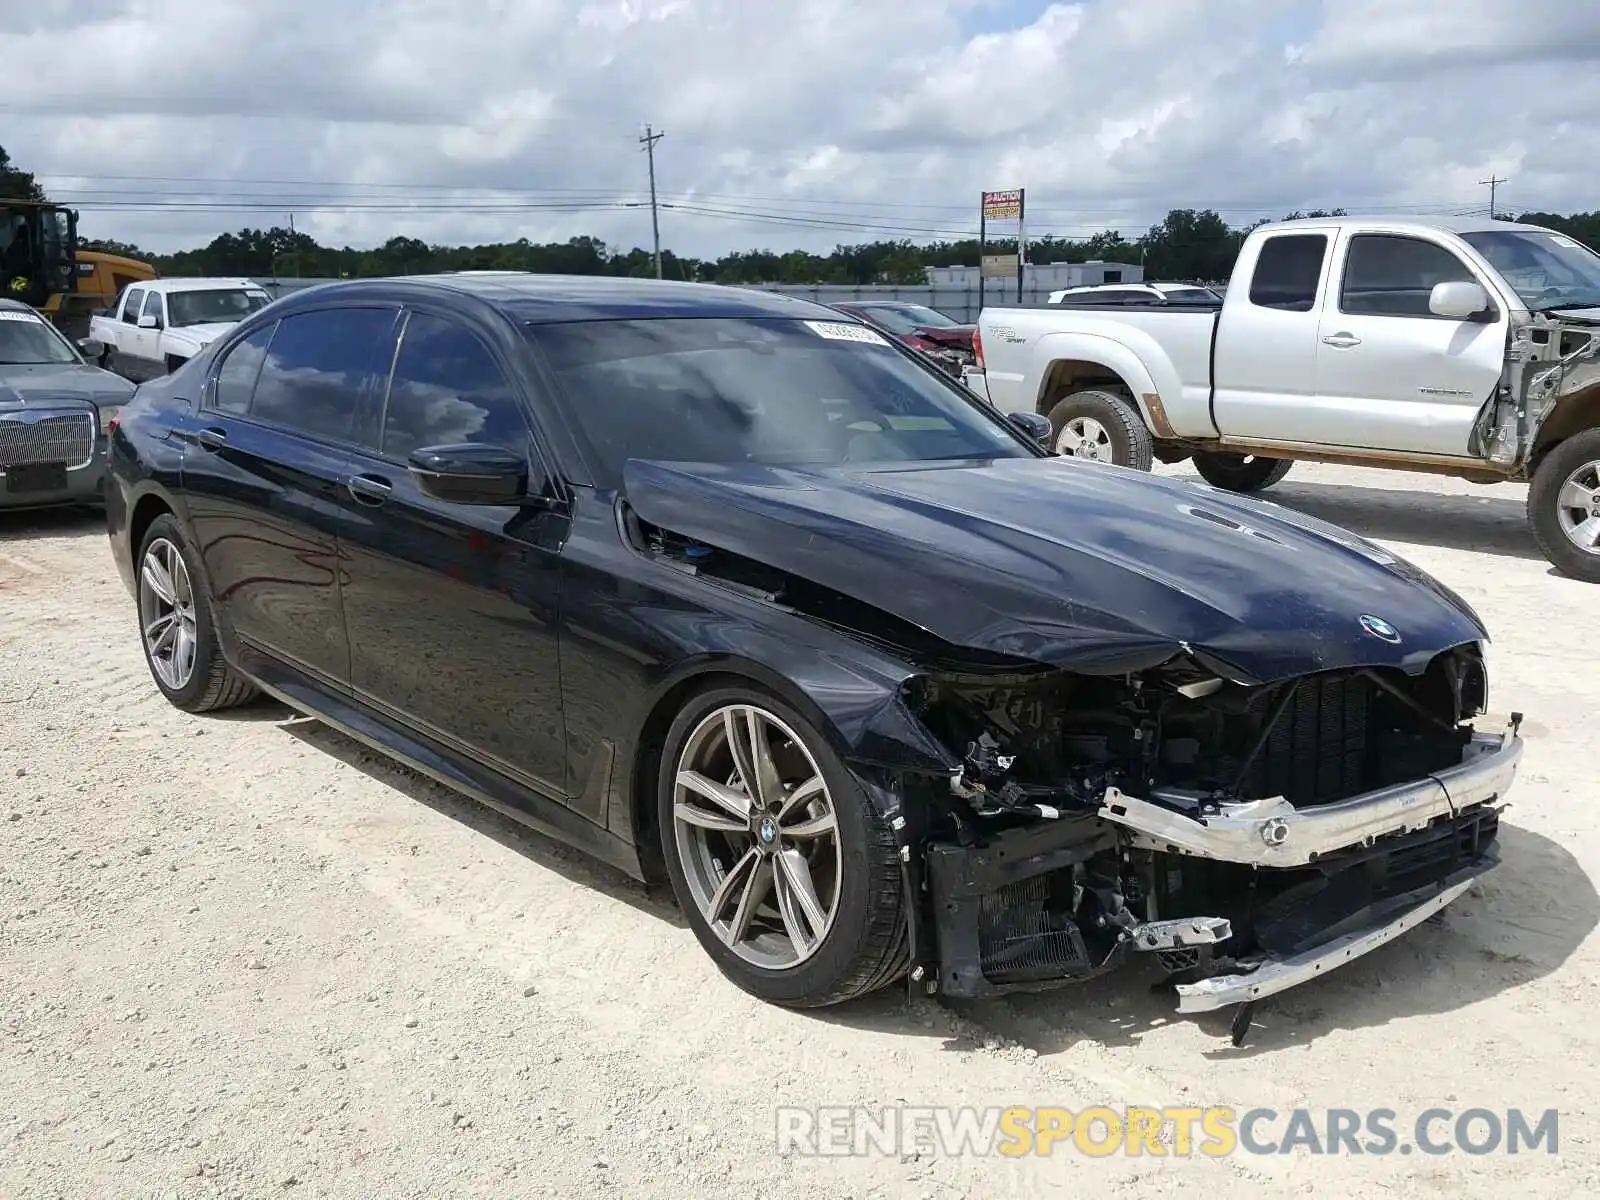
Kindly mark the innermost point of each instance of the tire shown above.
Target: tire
(863, 945)
(1241, 472)
(1101, 427)
(1568, 473)
(209, 684)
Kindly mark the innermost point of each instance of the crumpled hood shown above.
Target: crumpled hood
(35, 386)
(199, 336)
(1078, 565)
(956, 336)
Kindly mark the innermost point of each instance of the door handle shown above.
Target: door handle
(1342, 340)
(371, 490)
(216, 439)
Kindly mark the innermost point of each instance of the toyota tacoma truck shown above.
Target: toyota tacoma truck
(1460, 347)
(155, 327)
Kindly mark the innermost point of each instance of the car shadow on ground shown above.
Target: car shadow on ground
(1486, 524)
(572, 864)
(25, 524)
(1519, 924)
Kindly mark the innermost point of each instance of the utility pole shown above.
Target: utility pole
(648, 141)
(1491, 183)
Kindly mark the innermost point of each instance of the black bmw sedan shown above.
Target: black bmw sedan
(728, 590)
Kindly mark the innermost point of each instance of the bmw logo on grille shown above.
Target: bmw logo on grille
(1380, 629)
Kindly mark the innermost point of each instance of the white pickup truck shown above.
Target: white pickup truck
(1467, 348)
(155, 327)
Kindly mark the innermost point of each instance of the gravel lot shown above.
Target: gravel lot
(244, 957)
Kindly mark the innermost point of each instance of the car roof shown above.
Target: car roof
(197, 283)
(1380, 223)
(546, 299)
(16, 306)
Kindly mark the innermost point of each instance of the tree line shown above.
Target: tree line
(1187, 244)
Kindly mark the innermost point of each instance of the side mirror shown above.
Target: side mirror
(149, 321)
(1031, 425)
(91, 348)
(1459, 300)
(471, 473)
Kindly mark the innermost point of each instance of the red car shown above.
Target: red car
(941, 338)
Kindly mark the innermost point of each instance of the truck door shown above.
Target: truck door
(1390, 374)
(1264, 361)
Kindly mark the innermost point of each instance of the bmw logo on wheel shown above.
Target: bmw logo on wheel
(1380, 629)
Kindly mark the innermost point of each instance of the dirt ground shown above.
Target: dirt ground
(244, 957)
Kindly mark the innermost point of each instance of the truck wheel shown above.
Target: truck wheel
(1101, 427)
(1564, 506)
(1241, 472)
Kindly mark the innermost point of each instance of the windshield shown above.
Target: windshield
(903, 318)
(770, 391)
(1548, 270)
(25, 338)
(214, 305)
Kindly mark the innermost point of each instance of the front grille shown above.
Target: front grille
(1332, 742)
(67, 439)
(1022, 940)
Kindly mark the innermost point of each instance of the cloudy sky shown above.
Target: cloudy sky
(788, 122)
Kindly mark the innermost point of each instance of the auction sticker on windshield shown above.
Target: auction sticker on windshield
(11, 314)
(840, 331)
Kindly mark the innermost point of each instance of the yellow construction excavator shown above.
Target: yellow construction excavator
(41, 265)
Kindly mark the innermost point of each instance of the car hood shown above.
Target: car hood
(958, 336)
(200, 335)
(1077, 565)
(59, 385)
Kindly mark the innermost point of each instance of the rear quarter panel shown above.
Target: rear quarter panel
(1161, 353)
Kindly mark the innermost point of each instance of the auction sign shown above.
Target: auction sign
(1003, 207)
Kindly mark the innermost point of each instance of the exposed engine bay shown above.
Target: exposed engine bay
(1034, 880)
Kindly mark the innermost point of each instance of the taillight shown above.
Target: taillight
(977, 348)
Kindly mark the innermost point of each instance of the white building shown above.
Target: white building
(1045, 275)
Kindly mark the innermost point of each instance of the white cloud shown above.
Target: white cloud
(788, 122)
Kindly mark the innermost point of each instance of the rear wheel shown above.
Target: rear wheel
(1101, 427)
(788, 876)
(1564, 506)
(1241, 472)
(177, 630)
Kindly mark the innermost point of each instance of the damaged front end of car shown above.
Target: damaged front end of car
(1247, 837)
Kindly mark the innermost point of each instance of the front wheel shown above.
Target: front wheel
(788, 876)
(1564, 506)
(1241, 472)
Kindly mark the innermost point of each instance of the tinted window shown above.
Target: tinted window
(316, 366)
(236, 377)
(152, 305)
(759, 391)
(1287, 271)
(1113, 276)
(447, 388)
(1394, 276)
(130, 311)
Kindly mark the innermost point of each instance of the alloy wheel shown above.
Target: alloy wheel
(167, 614)
(757, 834)
(1084, 437)
(1578, 508)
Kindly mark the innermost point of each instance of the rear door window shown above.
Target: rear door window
(1288, 270)
(317, 369)
(130, 306)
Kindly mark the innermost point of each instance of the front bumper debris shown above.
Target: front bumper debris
(1273, 833)
(1279, 975)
